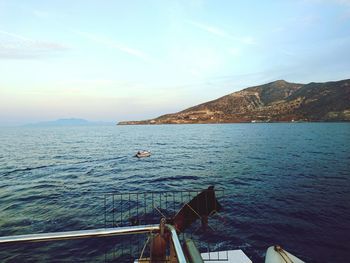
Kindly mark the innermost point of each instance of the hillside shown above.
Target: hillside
(272, 102)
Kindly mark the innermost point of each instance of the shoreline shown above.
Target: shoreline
(258, 122)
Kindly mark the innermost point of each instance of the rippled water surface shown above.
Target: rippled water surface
(284, 183)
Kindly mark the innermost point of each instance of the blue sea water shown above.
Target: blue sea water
(285, 183)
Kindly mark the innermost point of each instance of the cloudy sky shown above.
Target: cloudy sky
(121, 60)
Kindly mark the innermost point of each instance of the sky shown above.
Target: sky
(131, 60)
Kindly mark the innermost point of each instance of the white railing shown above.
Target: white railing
(102, 232)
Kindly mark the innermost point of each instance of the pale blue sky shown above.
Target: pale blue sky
(121, 60)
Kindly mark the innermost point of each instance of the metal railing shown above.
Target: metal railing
(139, 213)
(102, 232)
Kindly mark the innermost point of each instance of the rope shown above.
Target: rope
(198, 215)
(216, 213)
(194, 211)
(283, 254)
(160, 212)
(144, 247)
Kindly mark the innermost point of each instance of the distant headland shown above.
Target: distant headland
(67, 122)
(278, 101)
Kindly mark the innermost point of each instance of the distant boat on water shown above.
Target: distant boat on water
(141, 154)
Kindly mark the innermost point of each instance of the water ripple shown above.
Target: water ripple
(284, 183)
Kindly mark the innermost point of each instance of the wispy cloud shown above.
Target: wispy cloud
(112, 44)
(211, 29)
(343, 2)
(340, 2)
(14, 46)
(222, 33)
(40, 13)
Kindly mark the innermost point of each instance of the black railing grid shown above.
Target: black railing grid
(130, 209)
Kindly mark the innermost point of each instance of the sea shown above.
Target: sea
(282, 183)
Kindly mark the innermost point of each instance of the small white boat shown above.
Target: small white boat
(141, 154)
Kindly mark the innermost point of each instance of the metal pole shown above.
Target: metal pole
(102, 232)
(178, 249)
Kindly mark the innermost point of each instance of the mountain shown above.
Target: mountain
(272, 102)
(68, 122)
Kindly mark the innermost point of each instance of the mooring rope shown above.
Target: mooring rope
(144, 247)
(283, 254)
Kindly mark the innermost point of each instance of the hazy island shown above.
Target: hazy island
(278, 101)
(68, 122)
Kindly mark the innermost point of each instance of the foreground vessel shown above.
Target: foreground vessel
(173, 238)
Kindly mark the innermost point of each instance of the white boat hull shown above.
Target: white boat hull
(229, 256)
(280, 256)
